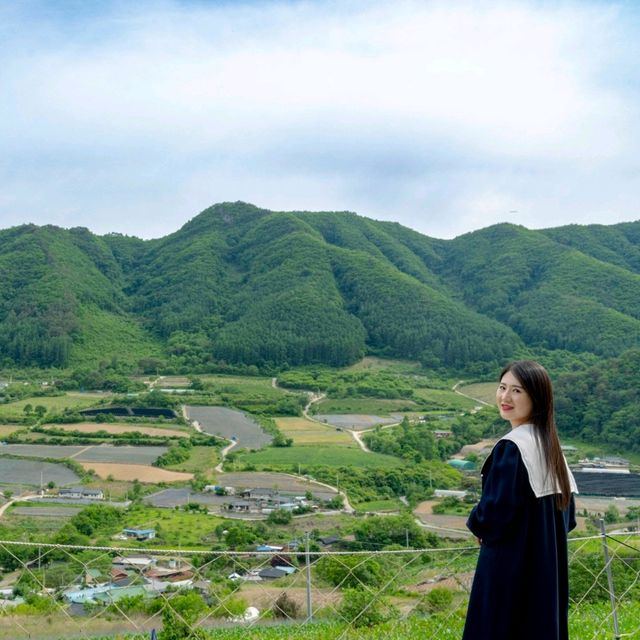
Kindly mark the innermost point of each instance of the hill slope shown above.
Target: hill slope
(246, 285)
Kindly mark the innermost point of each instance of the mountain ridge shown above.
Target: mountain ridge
(241, 284)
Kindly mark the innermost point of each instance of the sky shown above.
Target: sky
(132, 117)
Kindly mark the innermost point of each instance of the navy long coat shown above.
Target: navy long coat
(520, 589)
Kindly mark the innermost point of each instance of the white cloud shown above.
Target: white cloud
(444, 116)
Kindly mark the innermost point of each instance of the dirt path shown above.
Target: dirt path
(22, 498)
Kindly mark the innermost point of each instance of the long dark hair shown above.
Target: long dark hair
(536, 382)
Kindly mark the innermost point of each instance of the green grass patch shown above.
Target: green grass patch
(445, 400)
(328, 456)
(378, 506)
(174, 527)
(202, 459)
(52, 404)
(485, 391)
(380, 407)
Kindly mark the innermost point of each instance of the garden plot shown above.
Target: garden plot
(97, 453)
(357, 420)
(281, 481)
(92, 427)
(46, 512)
(33, 472)
(311, 433)
(57, 451)
(121, 455)
(230, 424)
(130, 472)
(170, 498)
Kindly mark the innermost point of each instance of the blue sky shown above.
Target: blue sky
(443, 116)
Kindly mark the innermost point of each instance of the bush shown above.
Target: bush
(439, 599)
(286, 607)
(361, 608)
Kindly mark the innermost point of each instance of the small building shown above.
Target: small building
(328, 540)
(258, 494)
(80, 493)
(266, 548)
(239, 506)
(442, 433)
(271, 573)
(132, 562)
(139, 534)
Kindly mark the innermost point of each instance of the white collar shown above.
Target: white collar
(540, 479)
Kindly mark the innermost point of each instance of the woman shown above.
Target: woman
(520, 589)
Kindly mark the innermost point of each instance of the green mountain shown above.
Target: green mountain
(239, 284)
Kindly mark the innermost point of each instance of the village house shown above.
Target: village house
(80, 493)
(139, 533)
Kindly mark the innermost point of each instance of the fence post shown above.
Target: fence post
(308, 563)
(612, 595)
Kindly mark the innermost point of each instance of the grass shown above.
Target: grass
(8, 429)
(378, 505)
(588, 622)
(52, 403)
(329, 456)
(175, 528)
(445, 400)
(485, 391)
(308, 433)
(380, 407)
(203, 459)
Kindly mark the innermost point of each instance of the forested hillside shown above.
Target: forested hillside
(239, 284)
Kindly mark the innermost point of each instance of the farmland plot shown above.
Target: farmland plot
(57, 451)
(121, 455)
(97, 453)
(32, 472)
(92, 427)
(356, 420)
(130, 472)
(308, 433)
(229, 423)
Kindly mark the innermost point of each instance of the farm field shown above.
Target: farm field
(356, 420)
(32, 472)
(365, 405)
(330, 456)
(131, 472)
(93, 427)
(52, 403)
(229, 423)
(202, 459)
(309, 433)
(485, 391)
(446, 400)
(56, 451)
(270, 480)
(8, 429)
(247, 385)
(98, 453)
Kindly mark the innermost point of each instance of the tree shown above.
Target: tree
(40, 411)
(180, 617)
(28, 409)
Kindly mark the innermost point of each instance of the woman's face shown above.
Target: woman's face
(513, 401)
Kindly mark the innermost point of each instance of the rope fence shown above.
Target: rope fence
(51, 591)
